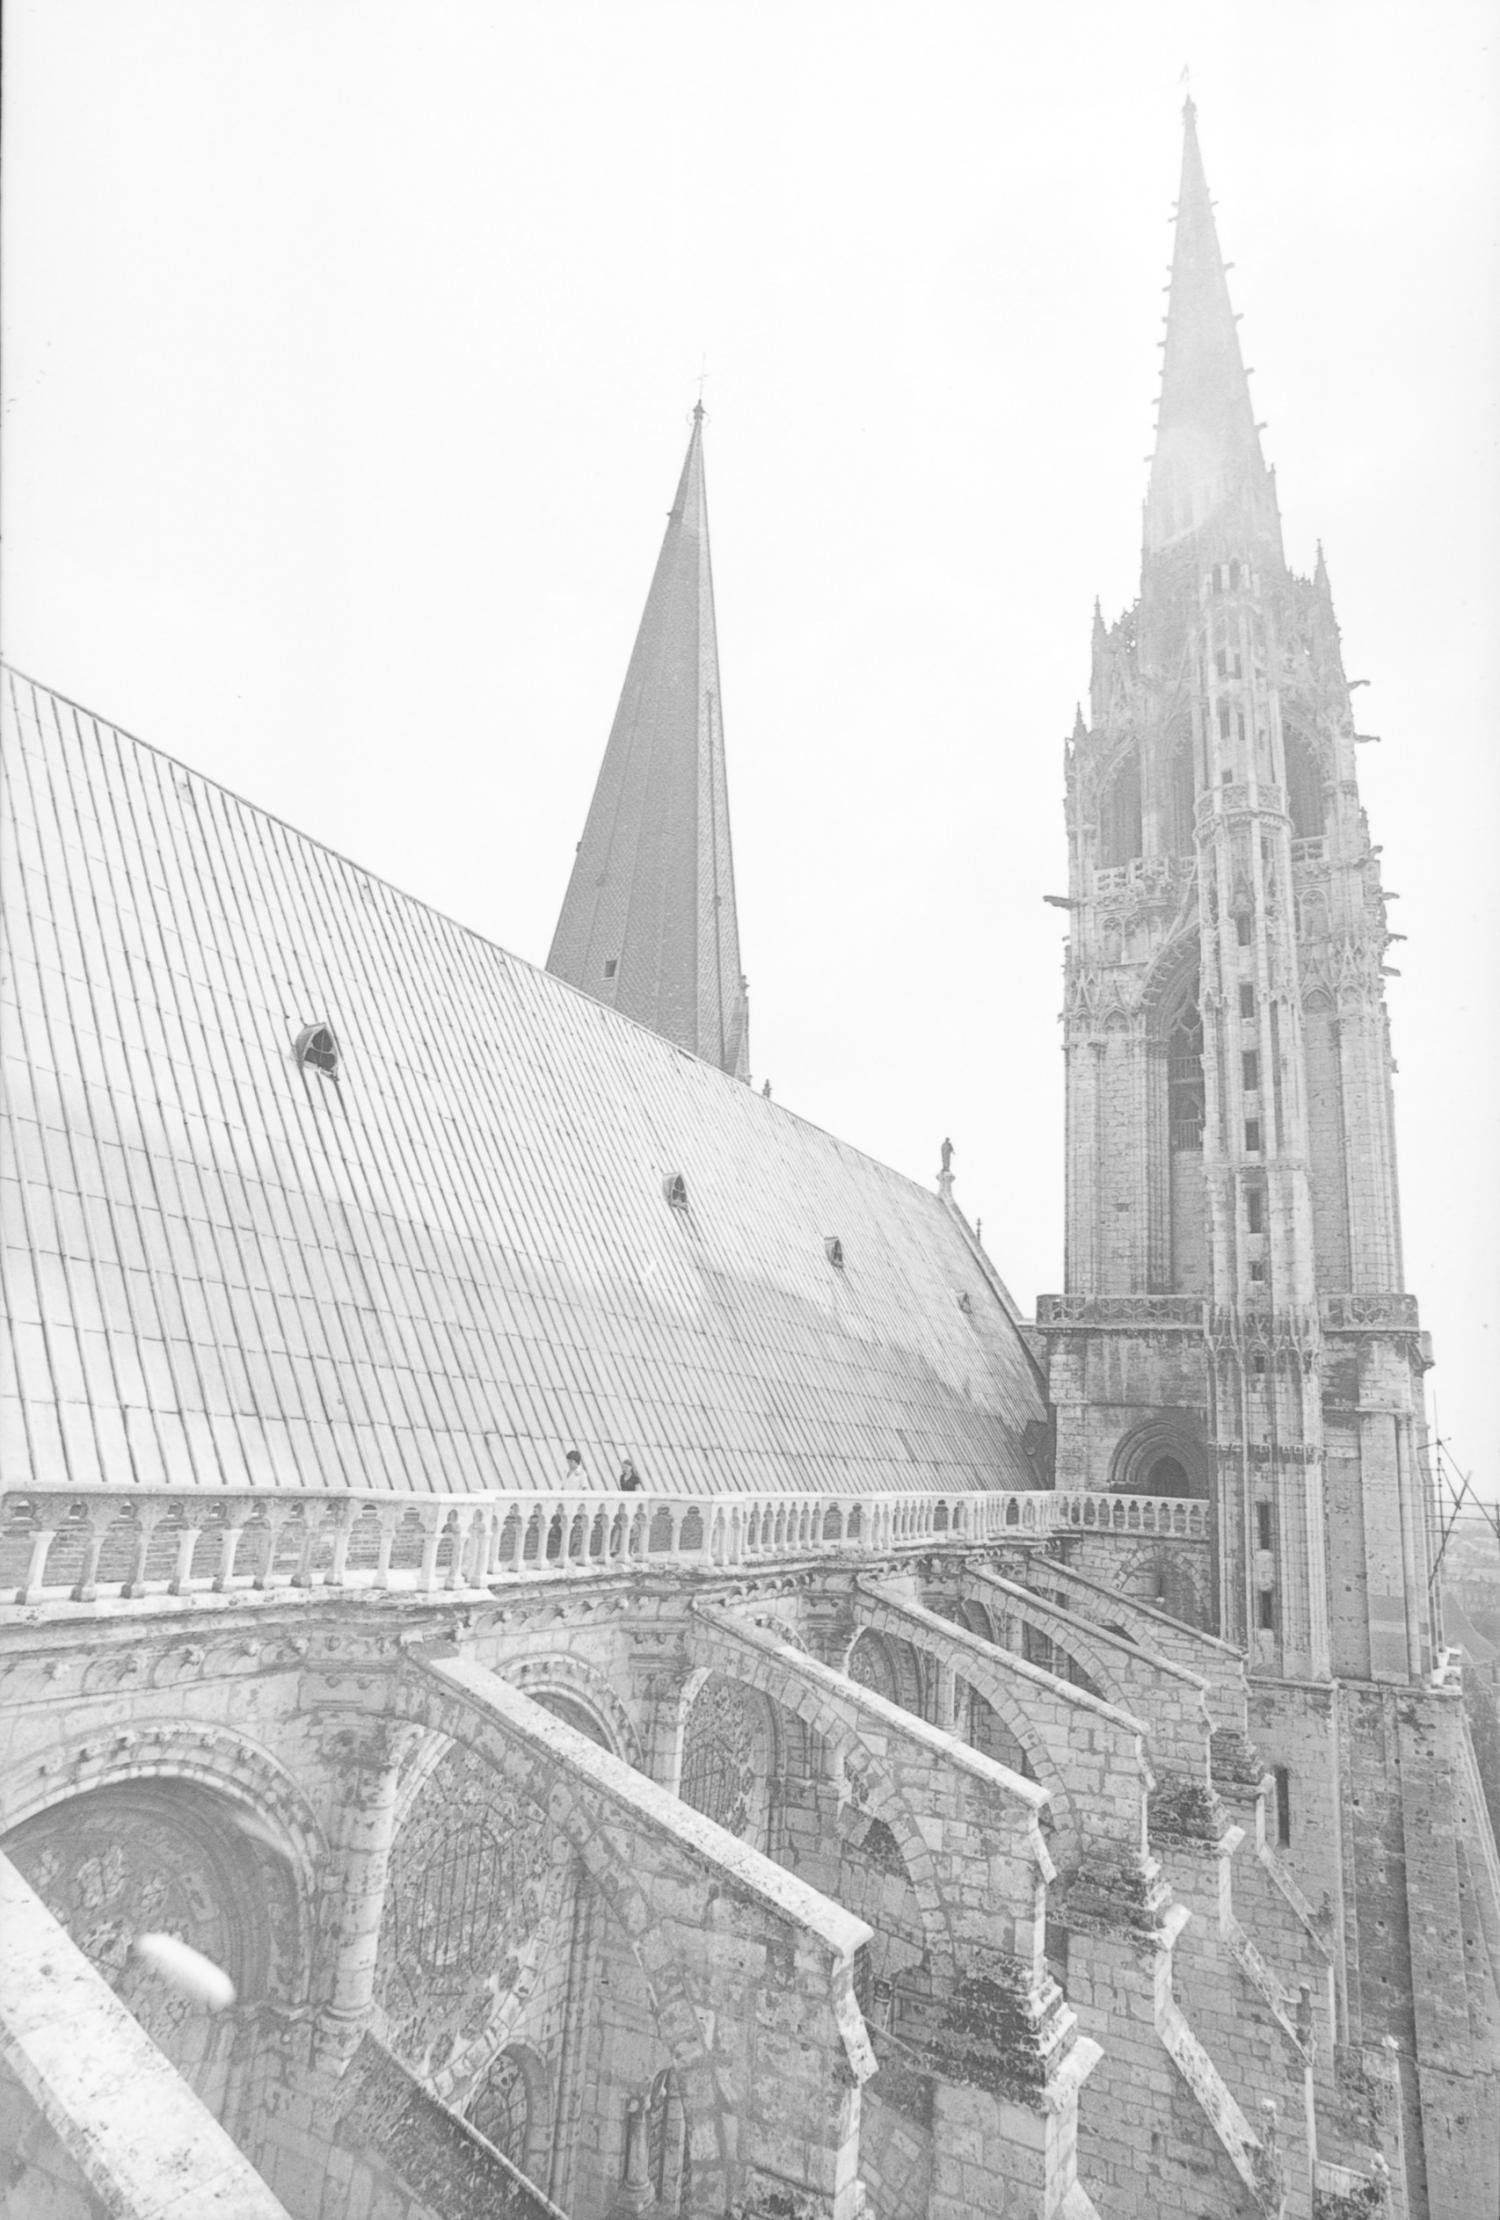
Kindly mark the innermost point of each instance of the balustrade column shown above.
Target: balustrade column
(36, 1564)
(86, 1587)
(342, 1535)
(311, 1528)
(267, 1531)
(233, 1532)
(388, 1520)
(136, 1584)
(187, 1542)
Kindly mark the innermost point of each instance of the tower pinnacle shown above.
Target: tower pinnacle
(648, 923)
(1207, 467)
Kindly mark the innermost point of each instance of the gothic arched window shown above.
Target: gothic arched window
(501, 2108)
(1185, 1074)
(870, 1663)
(1182, 796)
(666, 2143)
(727, 1753)
(1304, 789)
(1120, 818)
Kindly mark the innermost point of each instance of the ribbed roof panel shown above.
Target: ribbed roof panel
(447, 1266)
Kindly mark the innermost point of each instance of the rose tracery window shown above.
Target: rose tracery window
(475, 1899)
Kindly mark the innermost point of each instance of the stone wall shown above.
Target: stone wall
(591, 1905)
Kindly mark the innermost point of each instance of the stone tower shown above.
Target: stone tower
(648, 924)
(1234, 1324)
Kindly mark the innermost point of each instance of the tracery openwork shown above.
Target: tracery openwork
(1185, 1098)
(510, 2107)
(160, 1858)
(473, 1904)
(725, 1757)
(870, 1664)
(502, 2109)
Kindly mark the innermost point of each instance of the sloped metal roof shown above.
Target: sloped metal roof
(452, 1262)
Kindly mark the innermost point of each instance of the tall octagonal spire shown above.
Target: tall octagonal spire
(648, 923)
(1207, 470)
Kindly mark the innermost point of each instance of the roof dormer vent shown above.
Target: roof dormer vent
(674, 1187)
(833, 1249)
(315, 1045)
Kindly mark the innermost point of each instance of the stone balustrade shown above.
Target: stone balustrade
(1120, 1310)
(1227, 801)
(1179, 1518)
(83, 1546)
(1388, 1311)
(1159, 878)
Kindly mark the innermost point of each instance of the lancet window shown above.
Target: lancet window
(1185, 1074)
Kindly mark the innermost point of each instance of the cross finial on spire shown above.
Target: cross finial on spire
(698, 410)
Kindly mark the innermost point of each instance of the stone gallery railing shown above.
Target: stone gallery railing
(1387, 1312)
(1179, 1518)
(83, 1546)
(1120, 1310)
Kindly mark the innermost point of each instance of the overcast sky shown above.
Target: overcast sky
(351, 349)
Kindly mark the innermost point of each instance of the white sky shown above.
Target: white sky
(350, 353)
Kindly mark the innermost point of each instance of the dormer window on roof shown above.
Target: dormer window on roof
(833, 1249)
(674, 1187)
(315, 1045)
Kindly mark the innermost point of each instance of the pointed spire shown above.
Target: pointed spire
(1098, 671)
(1208, 464)
(649, 923)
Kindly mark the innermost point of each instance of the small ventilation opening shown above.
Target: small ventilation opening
(611, 966)
(833, 1249)
(315, 1045)
(674, 1187)
(1265, 1610)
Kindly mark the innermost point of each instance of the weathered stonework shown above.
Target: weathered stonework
(979, 1768)
(1234, 1329)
